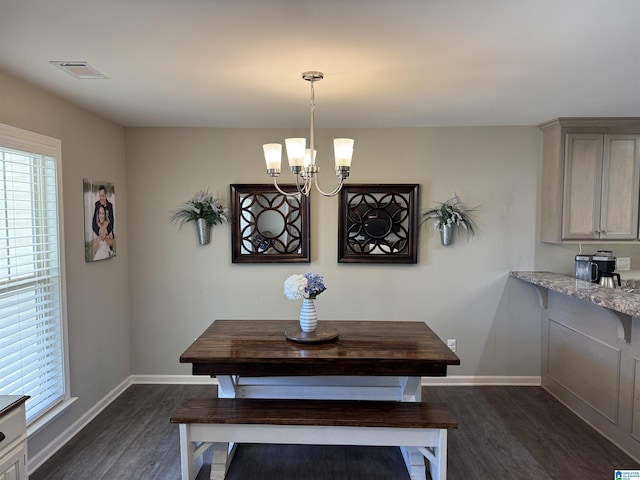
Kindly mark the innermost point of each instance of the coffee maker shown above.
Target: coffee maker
(606, 265)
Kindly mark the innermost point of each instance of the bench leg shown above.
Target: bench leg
(437, 457)
(190, 455)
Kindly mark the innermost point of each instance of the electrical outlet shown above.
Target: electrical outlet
(623, 263)
(451, 343)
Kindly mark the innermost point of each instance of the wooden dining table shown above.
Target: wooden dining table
(369, 360)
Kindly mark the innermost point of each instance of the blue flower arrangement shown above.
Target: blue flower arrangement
(309, 285)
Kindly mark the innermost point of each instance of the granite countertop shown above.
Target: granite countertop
(623, 300)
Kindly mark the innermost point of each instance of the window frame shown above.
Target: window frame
(30, 142)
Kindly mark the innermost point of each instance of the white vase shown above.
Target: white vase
(308, 316)
(204, 231)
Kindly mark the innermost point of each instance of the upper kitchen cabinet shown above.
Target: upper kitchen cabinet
(590, 179)
(600, 196)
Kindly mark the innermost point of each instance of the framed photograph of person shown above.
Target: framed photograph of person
(99, 220)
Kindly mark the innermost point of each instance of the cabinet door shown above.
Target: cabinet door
(582, 187)
(13, 465)
(620, 187)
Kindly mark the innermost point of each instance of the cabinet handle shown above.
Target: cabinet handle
(2, 436)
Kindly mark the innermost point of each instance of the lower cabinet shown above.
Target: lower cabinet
(13, 435)
(13, 465)
(587, 364)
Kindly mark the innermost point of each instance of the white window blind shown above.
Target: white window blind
(32, 358)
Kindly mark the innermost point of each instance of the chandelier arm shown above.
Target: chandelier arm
(304, 189)
(329, 194)
(275, 183)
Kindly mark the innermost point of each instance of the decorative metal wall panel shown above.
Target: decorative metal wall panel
(268, 227)
(378, 224)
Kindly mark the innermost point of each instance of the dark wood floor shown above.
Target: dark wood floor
(505, 433)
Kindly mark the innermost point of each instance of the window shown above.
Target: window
(32, 322)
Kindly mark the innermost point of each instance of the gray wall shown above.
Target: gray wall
(97, 293)
(178, 287)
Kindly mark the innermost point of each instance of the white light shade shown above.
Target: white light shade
(343, 151)
(307, 157)
(272, 155)
(295, 151)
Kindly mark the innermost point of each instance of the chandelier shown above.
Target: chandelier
(302, 162)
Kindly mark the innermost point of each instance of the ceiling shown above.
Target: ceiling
(387, 63)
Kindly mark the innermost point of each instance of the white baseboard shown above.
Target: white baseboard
(174, 379)
(37, 459)
(459, 380)
(451, 380)
(43, 455)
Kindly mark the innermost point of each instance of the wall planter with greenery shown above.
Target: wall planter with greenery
(205, 210)
(450, 216)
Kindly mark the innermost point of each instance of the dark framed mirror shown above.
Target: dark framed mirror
(267, 226)
(378, 224)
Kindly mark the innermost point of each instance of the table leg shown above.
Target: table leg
(412, 392)
(222, 456)
(223, 452)
(411, 389)
(414, 462)
(227, 386)
(219, 461)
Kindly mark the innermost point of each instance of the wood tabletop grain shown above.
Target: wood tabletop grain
(372, 348)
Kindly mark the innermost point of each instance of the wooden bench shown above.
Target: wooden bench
(225, 421)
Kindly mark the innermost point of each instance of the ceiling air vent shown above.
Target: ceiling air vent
(80, 70)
